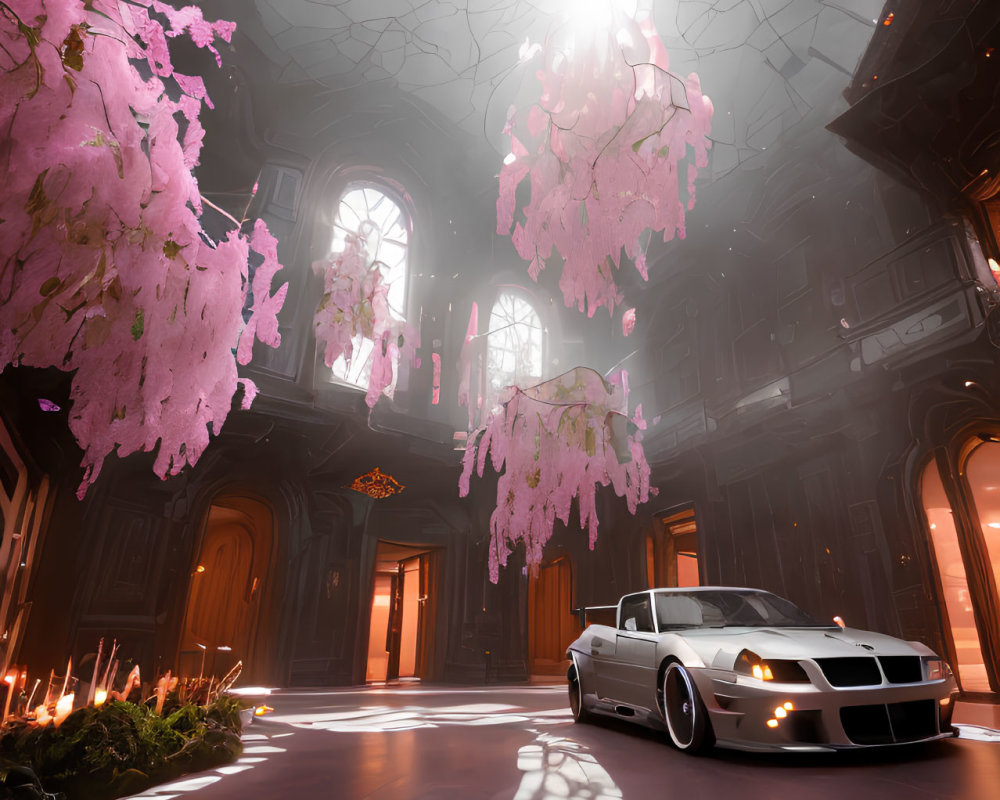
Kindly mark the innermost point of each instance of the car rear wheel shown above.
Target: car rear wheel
(684, 712)
(580, 714)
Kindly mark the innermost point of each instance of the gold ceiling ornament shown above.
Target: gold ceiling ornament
(377, 484)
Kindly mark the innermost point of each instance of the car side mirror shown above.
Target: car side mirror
(630, 624)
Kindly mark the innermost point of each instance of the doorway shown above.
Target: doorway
(552, 625)
(672, 550)
(226, 585)
(401, 630)
(967, 557)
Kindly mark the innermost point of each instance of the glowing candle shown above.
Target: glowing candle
(64, 707)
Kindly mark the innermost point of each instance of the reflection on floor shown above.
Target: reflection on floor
(985, 715)
(519, 743)
(554, 766)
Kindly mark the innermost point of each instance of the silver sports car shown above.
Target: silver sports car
(743, 668)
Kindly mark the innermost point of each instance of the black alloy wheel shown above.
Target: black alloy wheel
(580, 714)
(684, 712)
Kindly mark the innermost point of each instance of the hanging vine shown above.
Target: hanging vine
(605, 147)
(105, 269)
(552, 443)
(355, 305)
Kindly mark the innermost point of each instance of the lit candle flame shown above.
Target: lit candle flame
(64, 707)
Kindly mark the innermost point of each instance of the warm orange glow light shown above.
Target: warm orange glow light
(64, 707)
(944, 701)
(377, 484)
(780, 712)
(772, 723)
(99, 697)
(260, 711)
(788, 706)
(42, 716)
(758, 673)
(200, 568)
(889, 18)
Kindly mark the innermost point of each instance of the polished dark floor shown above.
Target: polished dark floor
(519, 743)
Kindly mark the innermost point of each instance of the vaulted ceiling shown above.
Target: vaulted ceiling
(768, 65)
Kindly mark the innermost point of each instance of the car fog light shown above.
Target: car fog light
(772, 723)
(788, 706)
(780, 712)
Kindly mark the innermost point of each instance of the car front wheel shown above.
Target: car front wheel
(580, 714)
(684, 712)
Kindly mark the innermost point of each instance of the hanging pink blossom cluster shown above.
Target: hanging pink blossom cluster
(355, 305)
(602, 146)
(105, 270)
(554, 442)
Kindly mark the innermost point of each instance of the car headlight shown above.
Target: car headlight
(781, 670)
(936, 669)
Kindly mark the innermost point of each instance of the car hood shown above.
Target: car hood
(719, 647)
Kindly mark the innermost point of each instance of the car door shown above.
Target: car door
(628, 675)
(636, 652)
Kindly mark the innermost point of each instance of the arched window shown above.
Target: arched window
(375, 212)
(515, 346)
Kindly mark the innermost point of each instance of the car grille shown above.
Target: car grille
(901, 669)
(891, 723)
(851, 671)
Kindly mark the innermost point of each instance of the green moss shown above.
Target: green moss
(121, 748)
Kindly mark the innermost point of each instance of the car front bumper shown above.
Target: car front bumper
(749, 714)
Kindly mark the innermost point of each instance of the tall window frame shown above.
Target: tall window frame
(380, 212)
(516, 342)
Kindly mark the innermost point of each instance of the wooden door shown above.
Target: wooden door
(224, 596)
(551, 625)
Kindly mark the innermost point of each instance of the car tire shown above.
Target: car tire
(580, 714)
(683, 711)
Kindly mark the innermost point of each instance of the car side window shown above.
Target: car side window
(636, 614)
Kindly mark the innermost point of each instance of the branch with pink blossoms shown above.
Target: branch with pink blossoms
(105, 269)
(355, 305)
(602, 147)
(552, 443)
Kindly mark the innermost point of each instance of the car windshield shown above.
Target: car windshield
(735, 608)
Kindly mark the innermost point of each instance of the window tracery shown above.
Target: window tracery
(373, 213)
(515, 345)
